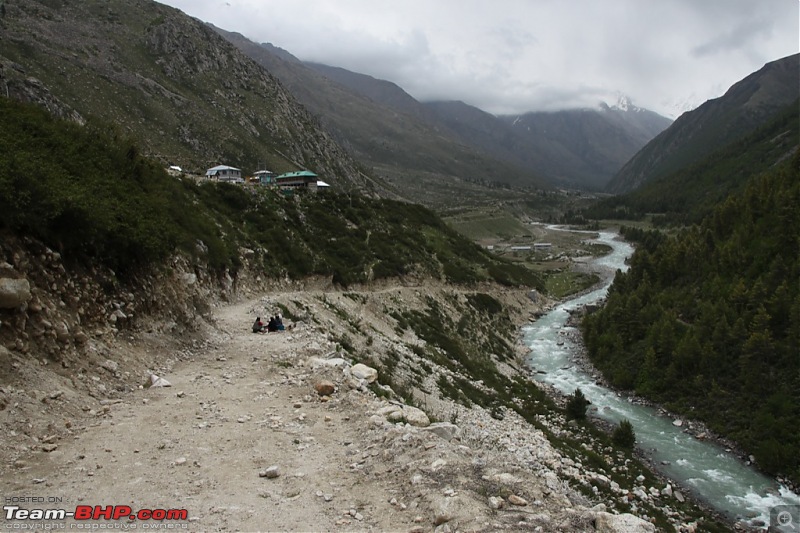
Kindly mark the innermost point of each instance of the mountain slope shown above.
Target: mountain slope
(169, 81)
(424, 163)
(688, 195)
(747, 105)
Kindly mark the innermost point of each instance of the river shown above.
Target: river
(705, 469)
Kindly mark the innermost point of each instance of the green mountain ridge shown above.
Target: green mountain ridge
(689, 194)
(115, 207)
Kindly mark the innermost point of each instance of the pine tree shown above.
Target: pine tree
(576, 406)
(623, 435)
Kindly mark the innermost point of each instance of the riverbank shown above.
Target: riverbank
(557, 339)
(696, 428)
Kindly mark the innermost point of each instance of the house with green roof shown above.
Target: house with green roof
(303, 179)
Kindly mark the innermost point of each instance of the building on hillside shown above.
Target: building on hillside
(542, 245)
(225, 173)
(263, 177)
(322, 186)
(304, 179)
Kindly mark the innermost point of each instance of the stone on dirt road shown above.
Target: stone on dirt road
(270, 473)
(324, 387)
(156, 381)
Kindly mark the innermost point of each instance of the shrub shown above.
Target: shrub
(624, 436)
(576, 406)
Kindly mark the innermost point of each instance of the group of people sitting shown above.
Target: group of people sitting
(275, 324)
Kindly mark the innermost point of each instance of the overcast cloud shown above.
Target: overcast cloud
(512, 56)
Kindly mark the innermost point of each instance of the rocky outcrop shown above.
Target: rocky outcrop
(14, 292)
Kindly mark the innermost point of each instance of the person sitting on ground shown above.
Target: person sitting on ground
(279, 323)
(272, 326)
(258, 326)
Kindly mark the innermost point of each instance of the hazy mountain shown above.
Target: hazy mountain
(182, 92)
(423, 159)
(746, 106)
(379, 91)
(577, 148)
(689, 194)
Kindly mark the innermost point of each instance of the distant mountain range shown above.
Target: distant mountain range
(393, 132)
(745, 107)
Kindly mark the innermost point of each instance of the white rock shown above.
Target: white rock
(62, 331)
(14, 292)
(362, 371)
(438, 464)
(505, 478)
(496, 502)
(156, 381)
(336, 362)
(444, 430)
(622, 523)
(270, 473)
(109, 365)
(415, 417)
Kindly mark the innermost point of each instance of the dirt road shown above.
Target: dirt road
(239, 407)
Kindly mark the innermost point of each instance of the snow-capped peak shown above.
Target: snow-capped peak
(623, 104)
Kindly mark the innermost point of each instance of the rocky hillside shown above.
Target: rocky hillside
(745, 107)
(167, 81)
(372, 412)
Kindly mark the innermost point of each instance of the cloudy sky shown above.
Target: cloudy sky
(512, 56)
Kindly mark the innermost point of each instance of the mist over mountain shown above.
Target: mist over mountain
(580, 148)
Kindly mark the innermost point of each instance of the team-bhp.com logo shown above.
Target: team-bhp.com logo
(96, 512)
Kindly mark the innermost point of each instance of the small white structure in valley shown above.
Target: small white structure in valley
(225, 173)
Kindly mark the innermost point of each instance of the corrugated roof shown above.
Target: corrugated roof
(221, 167)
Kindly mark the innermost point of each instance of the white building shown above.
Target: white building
(225, 173)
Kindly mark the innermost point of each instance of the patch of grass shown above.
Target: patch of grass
(562, 284)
